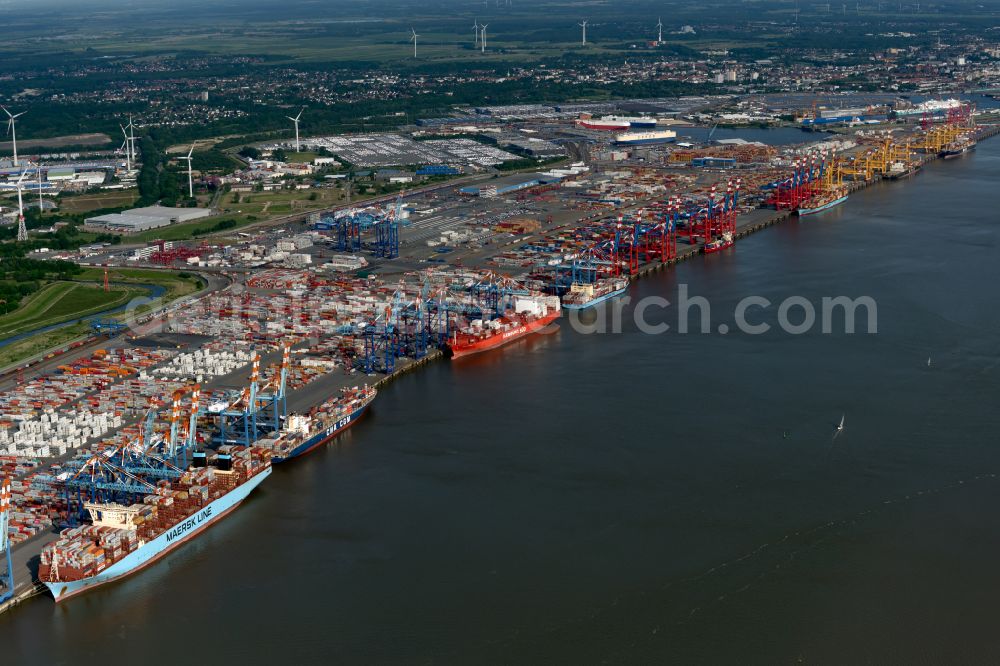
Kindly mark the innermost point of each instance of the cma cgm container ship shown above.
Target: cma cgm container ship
(531, 314)
(123, 539)
(303, 433)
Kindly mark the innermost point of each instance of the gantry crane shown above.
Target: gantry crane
(7, 572)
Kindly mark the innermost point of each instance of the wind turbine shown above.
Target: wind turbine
(128, 149)
(129, 132)
(22, 231)
(414, 39)
(11, 129)
(584, 26)
(190, 179)
(475, 30)
(482, 42)
(296, 121)
(659, 34)
(129, 144)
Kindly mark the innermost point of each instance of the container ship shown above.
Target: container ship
(530, 314)
(122, 539)
(617, 122)
(719, 244)
(821, 203)
(901, 170)
(642, 138)
(933, 107)
(582, 296)
(303, 433)
(957, 149)
(603, 124)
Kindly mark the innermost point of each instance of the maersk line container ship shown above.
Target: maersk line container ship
(122, 539)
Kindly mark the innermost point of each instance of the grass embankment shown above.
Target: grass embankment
(176, 284)
(75, 296)
(36, 344)
(59, 302)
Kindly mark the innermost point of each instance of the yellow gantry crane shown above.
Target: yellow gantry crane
(833, 174)
(859, 168)
(936, 138)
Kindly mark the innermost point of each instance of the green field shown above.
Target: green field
(175, 285)
(36, 344)
(72, 300)
(84, 203)
(251, 207)
(60, 302)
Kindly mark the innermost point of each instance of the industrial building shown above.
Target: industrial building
(142, 219)
(502, 186)
(531, 146)
(438, 170)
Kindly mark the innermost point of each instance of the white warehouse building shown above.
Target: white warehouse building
(142, 219)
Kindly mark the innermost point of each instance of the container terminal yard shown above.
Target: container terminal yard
(122, 447)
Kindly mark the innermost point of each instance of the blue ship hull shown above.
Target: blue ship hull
(820, 209)
(642, 142)
(596, 301)
(323, 436)
(150, 552)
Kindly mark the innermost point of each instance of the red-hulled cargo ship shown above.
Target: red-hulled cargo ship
(530, 314)
(719, 244)
(604, 125)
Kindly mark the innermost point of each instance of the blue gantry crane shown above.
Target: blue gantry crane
(108, 327)
(100, 480)
(348, 233)
(7, 572)
(387, 239)
(496, 293)
(381, 345)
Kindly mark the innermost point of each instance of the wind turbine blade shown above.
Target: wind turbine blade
(190, 151)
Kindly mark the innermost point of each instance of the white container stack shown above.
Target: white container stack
(205, 363)
(51, 435)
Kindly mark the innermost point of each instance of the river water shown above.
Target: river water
(153, 291)
(633, 498)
